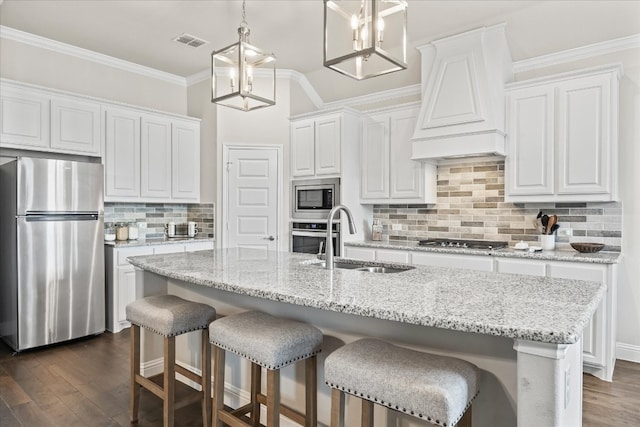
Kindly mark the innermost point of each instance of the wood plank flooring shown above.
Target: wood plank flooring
(86, 383)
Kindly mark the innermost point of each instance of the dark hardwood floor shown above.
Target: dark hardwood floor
(86, 383)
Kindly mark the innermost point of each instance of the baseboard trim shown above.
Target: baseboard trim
(628, 352)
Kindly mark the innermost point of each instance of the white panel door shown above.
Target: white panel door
(303, 148)
(24, 119)
(252, 207)
(155, 155)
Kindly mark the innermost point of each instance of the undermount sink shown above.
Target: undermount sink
(365, 267)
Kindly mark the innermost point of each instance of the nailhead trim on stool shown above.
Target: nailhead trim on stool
(436, 388)
(168, 316)
(272, 343)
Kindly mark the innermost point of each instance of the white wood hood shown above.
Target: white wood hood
(462, 112)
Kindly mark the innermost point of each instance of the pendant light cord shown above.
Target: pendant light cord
(244, 15)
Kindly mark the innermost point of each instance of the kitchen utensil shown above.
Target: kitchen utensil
(554, 228)
(544, 220)
(587, 247)
(550, 223)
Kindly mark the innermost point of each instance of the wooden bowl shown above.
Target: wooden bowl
(587, 248)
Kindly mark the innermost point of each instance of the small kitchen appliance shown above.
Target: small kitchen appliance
(314, 198)
(463, 244)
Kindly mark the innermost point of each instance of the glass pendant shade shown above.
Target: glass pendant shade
(243, 76)
(365, 38)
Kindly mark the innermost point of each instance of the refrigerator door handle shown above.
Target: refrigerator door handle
(40, 217)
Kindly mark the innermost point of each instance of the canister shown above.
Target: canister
(122, 231)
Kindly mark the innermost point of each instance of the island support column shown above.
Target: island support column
(549, 384)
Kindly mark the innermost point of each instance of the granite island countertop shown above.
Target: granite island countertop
(507, 305)
(556, 255)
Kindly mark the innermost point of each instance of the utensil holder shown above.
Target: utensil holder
(548, 242)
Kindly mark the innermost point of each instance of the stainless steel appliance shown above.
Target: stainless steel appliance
(314, 198)
(463, 244)
(52, 263)
(310, 237)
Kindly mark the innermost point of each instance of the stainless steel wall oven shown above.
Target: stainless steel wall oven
(310, 237)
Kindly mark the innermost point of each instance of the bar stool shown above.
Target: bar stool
(272, 343)
(438, 389)
(169, 316)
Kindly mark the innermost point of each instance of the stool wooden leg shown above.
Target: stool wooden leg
(337, 408)
(367, 413)
(256, 385)
(311, 392)
(169, 386)
(206, 378)
(465, 421)
(134, 388)
(218, 385)
(273, 397)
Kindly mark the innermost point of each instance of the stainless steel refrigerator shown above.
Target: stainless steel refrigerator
(51, 251)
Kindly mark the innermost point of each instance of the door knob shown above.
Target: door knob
(271, 238)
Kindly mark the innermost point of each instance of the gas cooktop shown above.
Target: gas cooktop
(463, 244)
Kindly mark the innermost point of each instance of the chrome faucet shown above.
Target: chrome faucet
(329, 243)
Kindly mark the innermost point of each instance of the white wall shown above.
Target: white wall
(199, 105)
(30, 64)
(268, 126)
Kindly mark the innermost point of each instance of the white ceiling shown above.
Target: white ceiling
(140, 31)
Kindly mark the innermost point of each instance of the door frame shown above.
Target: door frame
(226, 149)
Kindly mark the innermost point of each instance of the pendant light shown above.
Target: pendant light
(243, 76)
(365, 38)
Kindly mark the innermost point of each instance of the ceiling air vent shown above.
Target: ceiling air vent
(189, 40)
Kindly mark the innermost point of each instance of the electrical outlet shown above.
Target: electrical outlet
(396, 227)
(567, 386)
(567, 232)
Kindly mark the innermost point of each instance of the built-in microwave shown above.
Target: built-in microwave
(314, 198)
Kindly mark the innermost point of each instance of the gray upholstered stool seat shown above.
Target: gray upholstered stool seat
(272, 343)
(438, 389)
(169, 315)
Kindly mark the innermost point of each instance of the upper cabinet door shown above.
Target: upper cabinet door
(530, 141)
(584, 135)
(24, 119)
(155, 155)
(122, 153)
(327, 146)
(303, 148)
(185, 161)
(375, 158)
(75, 126)
(406, 175)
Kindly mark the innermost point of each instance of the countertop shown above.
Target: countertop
(508, 305)
(557, 255)
(157, 241)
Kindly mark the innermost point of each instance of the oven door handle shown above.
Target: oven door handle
(309, 233)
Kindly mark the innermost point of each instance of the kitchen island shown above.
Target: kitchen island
(478, 316)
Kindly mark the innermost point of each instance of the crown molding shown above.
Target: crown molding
(89, 55)
(583, 52)
(372, 98)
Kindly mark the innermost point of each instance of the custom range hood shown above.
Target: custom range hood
(463, 106)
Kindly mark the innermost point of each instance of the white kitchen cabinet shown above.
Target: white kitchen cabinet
(185, 161)
(33, 118)
(388, 175)
(151, 157)
(364, 254)
(155, 157)
(122, 154)
(562, 138)
(76, 126)
(316, 143)
(121, 278)
(466, 262)
(382, 255)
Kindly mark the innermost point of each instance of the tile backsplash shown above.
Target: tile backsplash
(156, 215)
(470, 205)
